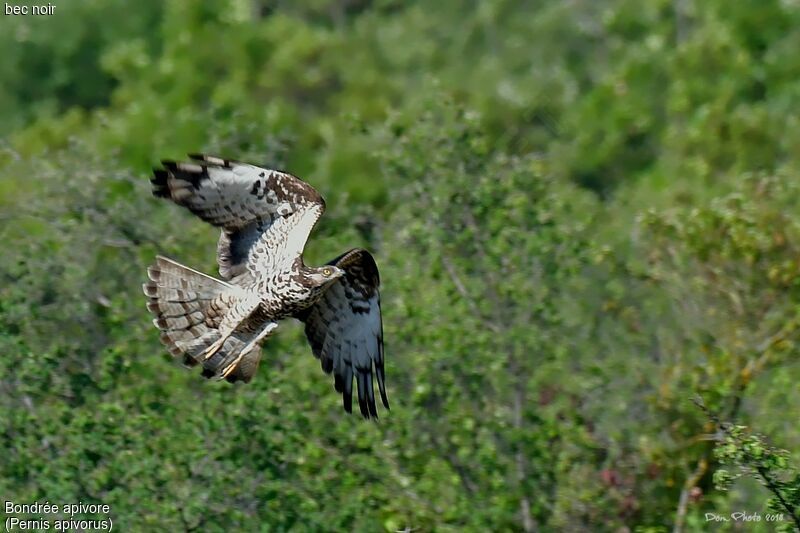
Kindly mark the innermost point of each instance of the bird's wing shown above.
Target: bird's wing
(265, 215)
(345, 331)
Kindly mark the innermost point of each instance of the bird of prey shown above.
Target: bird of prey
(266, 217)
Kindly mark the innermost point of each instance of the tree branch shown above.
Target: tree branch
(774, 489)
(462, 290)
(683, 501)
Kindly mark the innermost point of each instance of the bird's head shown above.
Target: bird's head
(325, 275)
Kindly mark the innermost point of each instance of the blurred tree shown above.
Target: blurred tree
(584, 214)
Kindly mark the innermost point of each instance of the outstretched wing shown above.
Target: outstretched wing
(265, 215)
(345, 331)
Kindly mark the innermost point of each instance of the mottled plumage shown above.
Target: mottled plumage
(265, 217)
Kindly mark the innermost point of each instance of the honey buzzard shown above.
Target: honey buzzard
(266, 217)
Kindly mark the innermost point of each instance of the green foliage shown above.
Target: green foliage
(493, 241)
(53, 63)
(751, 455)
(585, 215)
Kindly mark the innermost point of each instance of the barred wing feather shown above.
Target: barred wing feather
(345, 331)
(248, 203)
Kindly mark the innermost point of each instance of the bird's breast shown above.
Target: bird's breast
(283, 296)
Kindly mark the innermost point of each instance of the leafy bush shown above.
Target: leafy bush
(584, 215)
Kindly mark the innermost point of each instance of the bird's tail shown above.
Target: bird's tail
(188, 307)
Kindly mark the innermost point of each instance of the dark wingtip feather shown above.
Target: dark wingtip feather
(373, 410)
(211, 160)
(159, 176)
(347, 402)
(379, 372)
(347, 392)
(361, 385)
(159, 183)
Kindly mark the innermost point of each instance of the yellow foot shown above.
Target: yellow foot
(268, 328)
(231, 367)
(214, 348)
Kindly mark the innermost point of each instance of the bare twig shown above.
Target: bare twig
(462, 290)
(683, 501)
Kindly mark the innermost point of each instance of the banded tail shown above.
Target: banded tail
(188, 307)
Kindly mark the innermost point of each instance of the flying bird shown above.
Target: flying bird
(266, 217)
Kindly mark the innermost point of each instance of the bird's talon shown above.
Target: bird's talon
(229, 369)
(214, 348)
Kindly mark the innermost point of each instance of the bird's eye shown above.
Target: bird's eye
(327, 272)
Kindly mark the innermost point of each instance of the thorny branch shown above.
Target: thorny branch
(724, 429)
